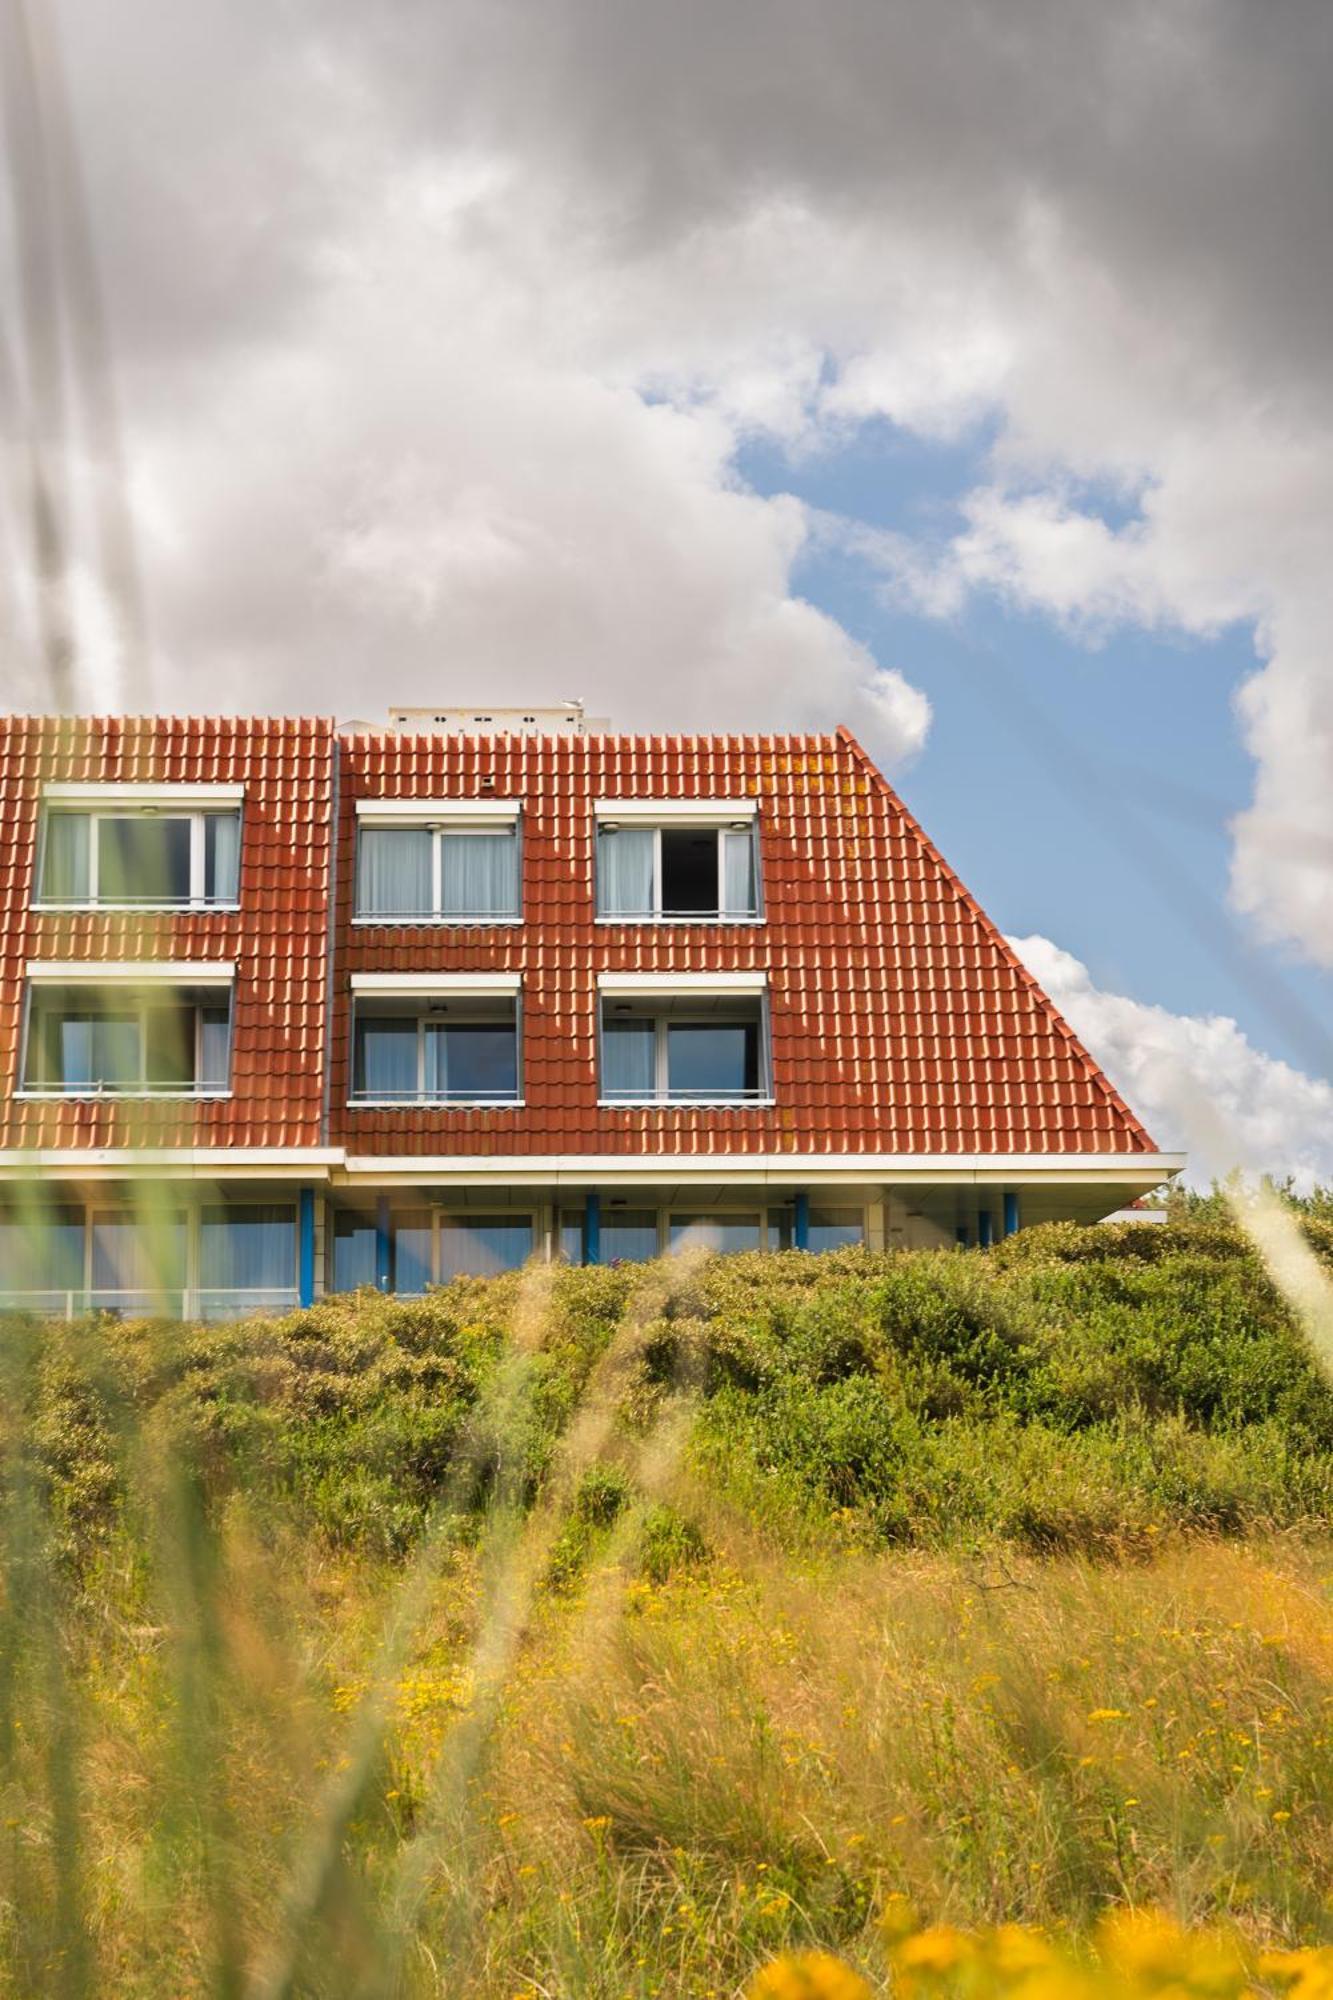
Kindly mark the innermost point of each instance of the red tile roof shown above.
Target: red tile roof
(901, 1022)
(278, 940)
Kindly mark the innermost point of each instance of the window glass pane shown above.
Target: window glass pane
(393, 872)
(470, 1060)
(214, 1048)
(248, 1247)
(353, 1251)
(625, 872)
(571, 1237)
(629, 1235)
(222, 857)
(412, 1251)
(689, 871)
(712, 1059)
(738, 874)
(629, 1059)
(65, 852)
(779, 1228)
(386, 1057)
(483, 1245)
(715, 1232)
(138, 1261)
(170, 1050)
(479, 874)
(833, 1228)
(142, 860)
(118, 1051)
(41, 1254)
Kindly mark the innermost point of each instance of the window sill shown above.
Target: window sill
(712, 922)
(436, 1104)
(436, 923)
(91, 1096)
(686, 1103)
(199, 908)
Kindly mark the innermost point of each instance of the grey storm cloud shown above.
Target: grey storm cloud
(439, 329)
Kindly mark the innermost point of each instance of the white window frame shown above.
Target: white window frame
(680, 989)
(458, 988)
(659, 816)
(133, 989)
(439, 817)
(95, 803)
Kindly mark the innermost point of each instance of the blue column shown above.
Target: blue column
(592, 1228)
(305, 1248)
(800, 1222)
(382, 1245)
(1010, 1214)
(985, 1228)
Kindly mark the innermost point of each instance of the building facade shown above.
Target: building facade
(286, 1010)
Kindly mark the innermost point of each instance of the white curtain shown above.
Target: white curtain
(215, 1048)
(222, 857)
(629, 1059)
(250, 1247)
(65, 858)
(738, 884)
(386, 1058)
(138, 1254)
(625, 872)
(479, 874)
(481, 1247)
(393, 872)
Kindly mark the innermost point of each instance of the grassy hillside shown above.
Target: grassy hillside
(602, 1632)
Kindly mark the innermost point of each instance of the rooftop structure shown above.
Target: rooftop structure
(377, 1008)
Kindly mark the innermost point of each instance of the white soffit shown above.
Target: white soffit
(629, 984)
(438, 985)
(191, 797)
(665, 812)
(434, 812)
(128, 971)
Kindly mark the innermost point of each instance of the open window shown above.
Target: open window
(140, 847)
(667, 1040)
(439, 1040)
(446, 861)
(151, 1031)
(693, 862)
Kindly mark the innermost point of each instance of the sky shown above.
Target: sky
(959, 373)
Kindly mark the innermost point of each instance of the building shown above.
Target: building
(285, 1010)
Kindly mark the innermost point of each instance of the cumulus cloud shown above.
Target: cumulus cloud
(1196, 1080)
(441, 327)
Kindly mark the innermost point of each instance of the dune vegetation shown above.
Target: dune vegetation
(622, 1632)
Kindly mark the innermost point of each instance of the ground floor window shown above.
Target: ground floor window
(715, 1232)
(629, 1235)
(835, 1228)
(248, 1248)
(353, 1258)
(42, 1257)
(139, 1261)
(480, 1246)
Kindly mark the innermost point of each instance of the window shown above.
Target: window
(41, 1257)
(138, 1261)
(353, 1250)
(127, 1042)
(714, 1232)
(835, 1228)
(691, 872)
(628, 1235)
(247, 1254)
(407, 874)
(462, 1051)
(141, 859)
(685, 1051)
(479, 1246)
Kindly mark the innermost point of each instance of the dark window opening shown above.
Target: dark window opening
(689, 872)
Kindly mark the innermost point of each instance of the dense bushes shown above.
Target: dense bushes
(1073, 1388)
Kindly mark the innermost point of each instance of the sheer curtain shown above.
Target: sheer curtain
(138, 1255)
(629, 1059)
(483, 1245)
(386, 1058)
(625, 872)
(222, 857)
(65, 858)
(393, 872)
(249, 1247)
(479, 874)
(738, 874)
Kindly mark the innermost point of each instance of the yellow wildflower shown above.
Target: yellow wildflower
(808, 1975)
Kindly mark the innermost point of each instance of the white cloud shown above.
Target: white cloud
(1195, 1079)
(441, 327)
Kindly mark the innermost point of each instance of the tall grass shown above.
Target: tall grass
(607, 1632)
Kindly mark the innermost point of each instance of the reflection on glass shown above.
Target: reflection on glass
(138, 1261)
(248, 1247)
(412, 1251)
(712, 1060)
(836, 1228)
(482, 1245)
(714, 1232)
(353, 1251)
(629, 1235)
